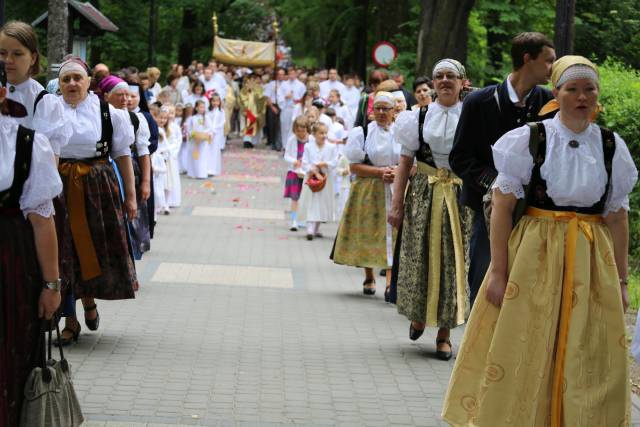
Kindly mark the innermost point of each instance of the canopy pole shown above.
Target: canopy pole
(276, 31)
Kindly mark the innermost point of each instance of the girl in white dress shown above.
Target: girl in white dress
(216, 116)
(174, 133)
(183, 156)
(200, 133)
(319, 160)
(159, 161)
(341, 109)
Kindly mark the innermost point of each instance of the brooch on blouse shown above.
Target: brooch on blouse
(574, 144)
(12, 89)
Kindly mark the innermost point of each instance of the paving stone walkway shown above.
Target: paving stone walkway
(241, 322)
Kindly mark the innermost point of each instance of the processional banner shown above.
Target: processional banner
(243, 53)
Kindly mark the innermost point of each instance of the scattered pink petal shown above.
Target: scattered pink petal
(239, 227)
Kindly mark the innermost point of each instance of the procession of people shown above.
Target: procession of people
(504, 209)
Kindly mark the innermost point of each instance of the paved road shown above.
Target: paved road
(242, 322)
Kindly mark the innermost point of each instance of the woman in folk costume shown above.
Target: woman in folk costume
(318, 162)
(96, 213)
(174, 134)
(364, 238)
(122, 96)
(200, 133)
(545, 344)
(431, 281)
(216, 115)
(44, 114)
(29, 276)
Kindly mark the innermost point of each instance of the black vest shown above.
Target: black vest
(10, 198)
(424, 153)
(135, 121)
(537, 195)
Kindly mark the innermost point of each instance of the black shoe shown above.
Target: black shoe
(443, 355)
(387, 296)
(383, 273)
(293, 228)
(64, 342)
(92, 324)
(414, 333)
(247, 144)
(309, 236)
(369, 290)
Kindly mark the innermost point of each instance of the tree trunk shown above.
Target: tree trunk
(443, 32)
(361, 45)
(496, 42)
(95, 48)
(153, 32)
(2, 9)
(185, 49)
(57, 34)
(565, 13)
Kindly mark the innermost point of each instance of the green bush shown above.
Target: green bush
(620, 97)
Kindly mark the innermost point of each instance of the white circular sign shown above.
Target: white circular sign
(384, 53)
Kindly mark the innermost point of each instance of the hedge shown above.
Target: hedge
(620, 97)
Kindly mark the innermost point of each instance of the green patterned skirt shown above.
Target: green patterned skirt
(364, 238)
(432, 276)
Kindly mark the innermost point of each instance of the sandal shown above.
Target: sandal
(92, 324)
(414, 333)
(367, 289)
(64, 342)
(444, 355)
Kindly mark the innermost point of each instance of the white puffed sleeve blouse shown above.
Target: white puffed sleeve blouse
(48, 119)
(438, 131)
(380, 146)
(142, 136)
(87, 129)
(43, 183)
(574, 176)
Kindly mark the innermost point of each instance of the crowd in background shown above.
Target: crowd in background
(507, 210)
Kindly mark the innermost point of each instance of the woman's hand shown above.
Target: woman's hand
(388, 174)
(625, 297)
(131, 208)
(395, 216)
(321, 165)
(297, 164)
(145, 190)
(48, 303)
(496, 287)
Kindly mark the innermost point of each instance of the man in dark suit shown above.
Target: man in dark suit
(487, 114)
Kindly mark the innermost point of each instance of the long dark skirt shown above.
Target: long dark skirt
(105, 217)
(20, 285)
(140, 232)
(412, 284)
